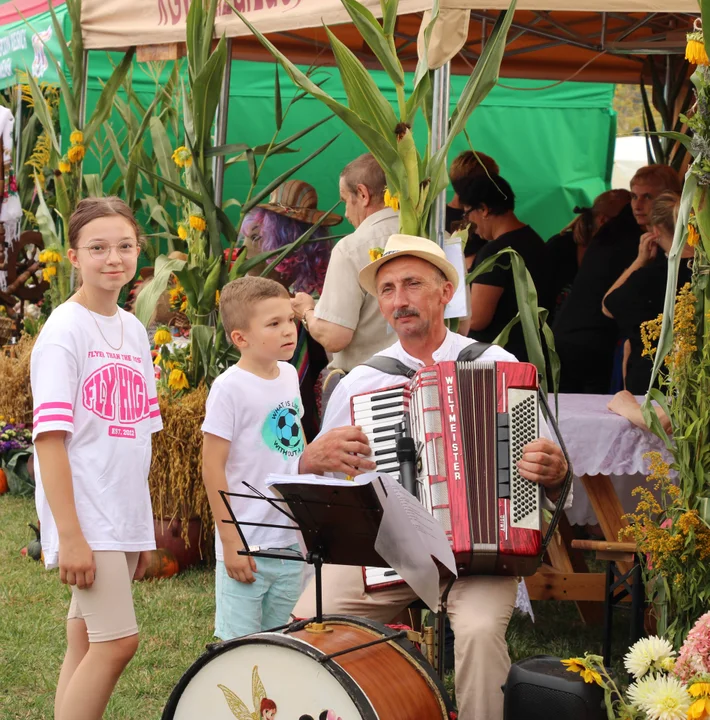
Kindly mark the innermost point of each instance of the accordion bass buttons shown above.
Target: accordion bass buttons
(503, 454)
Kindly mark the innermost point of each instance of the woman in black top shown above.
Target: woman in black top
(564, 252)
(489, 203)
(639, 293)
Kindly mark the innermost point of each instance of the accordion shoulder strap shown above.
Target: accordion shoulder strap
(389, 366)
(392, 366)
(473, 351)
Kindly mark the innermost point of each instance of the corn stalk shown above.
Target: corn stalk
(416, 181)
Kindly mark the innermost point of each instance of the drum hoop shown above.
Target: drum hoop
(402, 645)
(357, 695)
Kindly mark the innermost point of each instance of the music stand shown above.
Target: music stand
(339, 525)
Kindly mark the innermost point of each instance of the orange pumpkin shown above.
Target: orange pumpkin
(3, 482)
(162, 565)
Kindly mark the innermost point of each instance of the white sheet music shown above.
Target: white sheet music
(408, 538)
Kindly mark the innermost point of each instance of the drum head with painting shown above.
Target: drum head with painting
(267, 677)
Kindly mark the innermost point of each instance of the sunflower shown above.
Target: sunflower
(391, 200)
(76, 153)
(182, 157)
(182, 232)
(76, 138)
(162, 336)
(198, 223)
(178, 380)
(64, 166)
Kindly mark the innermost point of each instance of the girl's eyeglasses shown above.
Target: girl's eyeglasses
(100, 251)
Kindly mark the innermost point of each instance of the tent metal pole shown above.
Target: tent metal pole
(221, 127)
(439, 132)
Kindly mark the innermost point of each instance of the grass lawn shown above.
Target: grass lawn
(176, 620)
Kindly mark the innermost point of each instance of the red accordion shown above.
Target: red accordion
(470, 422)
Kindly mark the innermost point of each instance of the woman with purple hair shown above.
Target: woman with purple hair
(293, 209)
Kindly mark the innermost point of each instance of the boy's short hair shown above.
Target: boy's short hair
(238, 298)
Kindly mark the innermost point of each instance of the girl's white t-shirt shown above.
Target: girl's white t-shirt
(106, 402)
(261, 419)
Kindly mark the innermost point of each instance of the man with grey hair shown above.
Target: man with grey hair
(347, 321)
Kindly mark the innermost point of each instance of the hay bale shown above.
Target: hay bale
(15, 390)
(176, 486)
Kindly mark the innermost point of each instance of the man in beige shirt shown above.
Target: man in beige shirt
(347, 321)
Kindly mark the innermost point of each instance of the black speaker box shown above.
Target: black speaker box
(541, 688)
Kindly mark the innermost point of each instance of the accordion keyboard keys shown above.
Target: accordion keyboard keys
(380, 415)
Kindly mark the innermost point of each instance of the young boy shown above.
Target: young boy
(252, 428)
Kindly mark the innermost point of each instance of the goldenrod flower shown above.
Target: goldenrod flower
(76, 153)
(64, 167)
(182, 157)
(178, 380)
(693, 235)
(216, 298)
(375, 253)
(198, 223)
(162, 336)
(182, 232)
(391, 200)
(695, 52)
(76, 138)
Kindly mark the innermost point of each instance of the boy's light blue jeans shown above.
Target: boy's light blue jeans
(245, 608)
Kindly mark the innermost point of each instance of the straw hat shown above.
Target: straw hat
(401, 246)
(298, 200)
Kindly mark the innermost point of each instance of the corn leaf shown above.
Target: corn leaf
(45, 221)
(389, 16)
(256, 199)
(682, 138)
(163, 153)
(278, 108)
(150, 295)
(205, 94)
(105, 102)
(42, 112)
(665, 341)
(364, 97)
(377, 38)
(93, 185)
(529, 314)
(481, 82)
(133, 152)
(380, 146)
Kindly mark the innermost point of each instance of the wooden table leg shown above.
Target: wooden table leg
(607, 507)
(564, 558)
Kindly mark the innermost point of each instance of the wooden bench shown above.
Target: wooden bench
(623, 581)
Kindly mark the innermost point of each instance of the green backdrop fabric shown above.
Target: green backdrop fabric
(555, 145)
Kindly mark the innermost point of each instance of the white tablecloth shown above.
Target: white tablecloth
(601, 442)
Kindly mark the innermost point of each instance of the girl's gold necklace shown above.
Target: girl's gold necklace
(98, 327)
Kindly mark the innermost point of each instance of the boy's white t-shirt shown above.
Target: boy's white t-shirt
(262, 421)
(106, 402)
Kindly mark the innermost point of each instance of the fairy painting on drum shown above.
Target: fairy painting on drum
(264, 709)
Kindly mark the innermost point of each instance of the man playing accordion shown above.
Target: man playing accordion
(413, 282)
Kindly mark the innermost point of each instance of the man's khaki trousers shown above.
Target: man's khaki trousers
(479, 609)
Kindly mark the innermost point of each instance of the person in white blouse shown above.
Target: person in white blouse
(413, 281)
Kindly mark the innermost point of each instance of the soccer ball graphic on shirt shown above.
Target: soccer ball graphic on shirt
(288, 428)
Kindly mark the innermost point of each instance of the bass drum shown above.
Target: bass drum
(301, 675)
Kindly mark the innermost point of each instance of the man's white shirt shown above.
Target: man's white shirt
(364, 379)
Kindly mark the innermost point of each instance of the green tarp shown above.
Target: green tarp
(555, 145)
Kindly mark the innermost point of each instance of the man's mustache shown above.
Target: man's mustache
(405, 312)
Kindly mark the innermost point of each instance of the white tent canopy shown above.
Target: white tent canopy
(119, 23)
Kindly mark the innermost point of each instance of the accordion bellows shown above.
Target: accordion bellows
(470, 422)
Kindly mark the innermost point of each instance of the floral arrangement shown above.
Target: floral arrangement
(13, 436)
(666, 685)
(15, 450)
